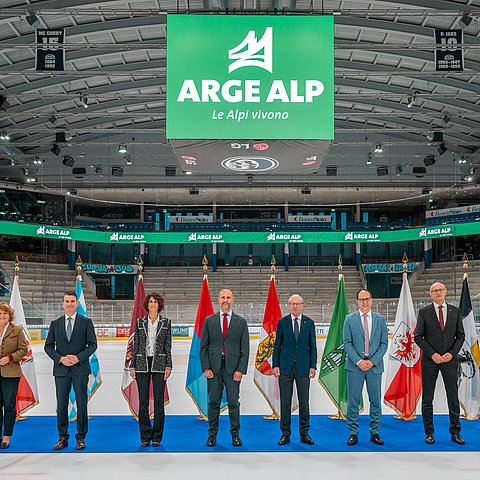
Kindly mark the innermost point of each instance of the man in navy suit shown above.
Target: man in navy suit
(365, 339)
(440, 335)
(295, 360)
(70, 342)
(224, 351)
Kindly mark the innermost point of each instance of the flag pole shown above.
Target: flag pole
(17, 276)
(465, 264)
(202, 417)
(273, 415)
(339, 415)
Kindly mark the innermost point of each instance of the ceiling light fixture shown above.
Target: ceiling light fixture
(411, 99)
(441, 149)
(466, 20)
(429, 160)
(369, 158)
(3, 103)
(378, 148)
(122, 149)
(398, 170)
(55, 149)
(84, 100)
(5, 136)
(31, 18)
(446, 118)
(382, 171)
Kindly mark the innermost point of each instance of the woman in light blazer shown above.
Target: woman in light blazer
(13, 347)
(152, 360)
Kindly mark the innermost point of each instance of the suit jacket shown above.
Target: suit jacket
(430, 338)
(162, 357)
(237, 344)
(14, 345)
(354, 341)
(83, 344)
(302, 353)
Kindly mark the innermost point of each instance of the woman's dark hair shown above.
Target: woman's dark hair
(159, 298)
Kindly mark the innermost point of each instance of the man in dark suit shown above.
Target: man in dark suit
(295, 360)
(440, 335)
(365, 338)
(224, 351)
(70, 342)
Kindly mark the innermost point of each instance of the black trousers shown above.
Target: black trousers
(215, 390)
(429, 380)
(8, 404)
(285, 382)
(63, 386)
(147, 431)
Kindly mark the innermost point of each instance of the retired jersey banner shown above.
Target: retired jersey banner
(250, 76)
(50, 56)
(448, 56)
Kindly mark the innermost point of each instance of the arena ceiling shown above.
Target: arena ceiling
(387, 93)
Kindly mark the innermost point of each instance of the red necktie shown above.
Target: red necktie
(440, 318)
(225, 325)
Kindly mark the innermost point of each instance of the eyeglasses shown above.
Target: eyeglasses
(437, 290)
(364, 299)
(295, 304)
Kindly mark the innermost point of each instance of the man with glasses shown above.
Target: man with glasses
(365, 338)
(440, 335)
(295, 360)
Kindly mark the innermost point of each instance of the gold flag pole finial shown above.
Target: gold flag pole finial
(78, 263)
(465, 262)
(17, 266)
(405, 262)
(140, 265)
(273, 262)
(205, 264)
(340, 265)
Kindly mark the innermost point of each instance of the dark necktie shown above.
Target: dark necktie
(296, 329)
(367, 336)
(225, 325)
(69, 328)
(440, 318)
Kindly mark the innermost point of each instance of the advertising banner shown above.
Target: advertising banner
(250, 76)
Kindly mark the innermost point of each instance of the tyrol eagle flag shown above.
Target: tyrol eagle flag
(129, 384)
(196, 383)
(95, 378)
(27, 394)
(468, 358)
(332, 375)
(404, 372)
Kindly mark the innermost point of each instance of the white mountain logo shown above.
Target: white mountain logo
(248, 52)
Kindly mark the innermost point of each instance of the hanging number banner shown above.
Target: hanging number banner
(448, 55)
(50, 56)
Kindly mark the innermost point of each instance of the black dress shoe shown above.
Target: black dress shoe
(284, 439)
(211, 441)
(4, 445)
(376, 439)
(146, 443)
(62, 443)
(429, 439)
(236, 441)
(156, 444)
(455, 438)
(307, 439)
(80, 444)
(352, 440)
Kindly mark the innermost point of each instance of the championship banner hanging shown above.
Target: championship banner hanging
(448, 56)
(50, 56)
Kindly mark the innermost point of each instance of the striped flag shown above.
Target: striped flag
(95, 378)
(27, 394)
(404, 371)
(469, 358)
(196, 384)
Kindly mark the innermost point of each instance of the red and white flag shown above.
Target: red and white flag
(27, 394)
(129, 384)
(263, 376)
(404, 373)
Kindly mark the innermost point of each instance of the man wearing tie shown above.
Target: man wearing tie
(70, 342)
(365, 339)
(440, 335)
(224, 351)
(295, 360)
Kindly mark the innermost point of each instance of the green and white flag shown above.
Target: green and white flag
(332, 375)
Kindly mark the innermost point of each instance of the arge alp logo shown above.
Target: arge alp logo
(196, 237)
(41, 231)
(247, 52)
(114, 237)
(442, 231)
(52, 231)
(287, 237)
(250, 164)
